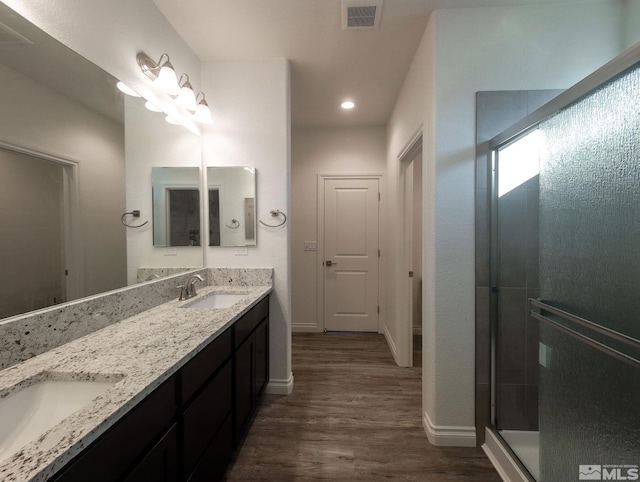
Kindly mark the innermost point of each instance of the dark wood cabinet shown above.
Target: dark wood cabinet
(251, 365)
(160, 464)
(187, 428)
(117, 451)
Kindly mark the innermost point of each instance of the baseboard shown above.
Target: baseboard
(448, 436)
(305, 328)
(504, 464)
(280, 387)
(392, 345)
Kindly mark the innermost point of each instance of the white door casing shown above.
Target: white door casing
(351, 254)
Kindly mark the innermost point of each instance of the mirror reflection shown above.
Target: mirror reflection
(69, 160)
(176, 206)
(232, 204)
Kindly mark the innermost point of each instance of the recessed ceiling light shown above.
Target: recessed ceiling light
(347, 105)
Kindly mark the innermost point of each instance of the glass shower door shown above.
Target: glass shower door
(590, 269)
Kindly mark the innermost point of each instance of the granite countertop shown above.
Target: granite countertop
(142, 352)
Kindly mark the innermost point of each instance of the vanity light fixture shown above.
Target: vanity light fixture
(187, 97)
(152, 107)
(125, 89)
(164, 77)
(348, 105)
(203, 113)
(161, 73)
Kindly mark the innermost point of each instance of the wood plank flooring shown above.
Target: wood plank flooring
(353, 416)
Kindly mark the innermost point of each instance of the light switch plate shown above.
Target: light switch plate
(310, 246)
(170, 252)
(241, 251)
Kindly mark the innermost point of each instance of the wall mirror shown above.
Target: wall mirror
(176, 206)
(65, 139)
(231, 205)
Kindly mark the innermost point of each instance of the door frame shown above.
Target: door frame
(322, 177)
(404, 349)
(73, 250)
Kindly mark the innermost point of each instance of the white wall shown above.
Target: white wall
(251, 127)
(464, 51)
(358, 150)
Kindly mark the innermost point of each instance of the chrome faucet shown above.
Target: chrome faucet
(188, 289)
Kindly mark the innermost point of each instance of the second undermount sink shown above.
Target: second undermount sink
(216, 300)
(28, 413)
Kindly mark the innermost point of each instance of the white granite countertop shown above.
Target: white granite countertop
(146, 349)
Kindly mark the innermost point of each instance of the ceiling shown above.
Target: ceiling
(328, 64)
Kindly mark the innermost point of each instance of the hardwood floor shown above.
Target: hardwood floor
(353, 416)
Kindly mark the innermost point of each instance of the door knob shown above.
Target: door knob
(329, 263)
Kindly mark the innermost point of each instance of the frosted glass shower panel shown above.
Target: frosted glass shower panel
(590, 206)
(590, 267)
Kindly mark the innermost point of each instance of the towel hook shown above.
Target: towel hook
(234, 224)
(136, 214)
(275, 213)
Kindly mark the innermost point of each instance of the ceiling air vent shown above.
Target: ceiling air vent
(8, 36)
(361, 14)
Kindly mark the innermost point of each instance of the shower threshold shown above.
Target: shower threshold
(526, 445)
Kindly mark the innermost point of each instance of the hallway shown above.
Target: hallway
(353, 416)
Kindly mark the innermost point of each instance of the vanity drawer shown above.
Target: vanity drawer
(198, 370)
(248, 322)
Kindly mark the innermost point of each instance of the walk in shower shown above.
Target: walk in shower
(565, 282)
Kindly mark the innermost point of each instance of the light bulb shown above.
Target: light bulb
(187, 97)
(167, 80)
(203, 113)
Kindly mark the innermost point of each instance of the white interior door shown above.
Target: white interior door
(351, 255)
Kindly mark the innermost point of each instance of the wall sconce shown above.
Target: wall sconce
(203, 113)
(162, 73)
(164, 77)
(186, 97)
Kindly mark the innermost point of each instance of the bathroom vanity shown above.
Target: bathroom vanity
(189, 381)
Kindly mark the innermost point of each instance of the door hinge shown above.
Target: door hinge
(378, 253)
(66, 272)
(378, 310)
(379, 197)
(410, 274)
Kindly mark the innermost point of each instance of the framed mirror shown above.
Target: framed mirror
(231, 194)
(176, 206)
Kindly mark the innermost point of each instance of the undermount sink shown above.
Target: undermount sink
(27, 414)
(216, 300)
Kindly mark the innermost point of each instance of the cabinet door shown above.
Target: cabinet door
(205, 415)
(214, 463)
(244, 385)
(262, 357)
(160, 464)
